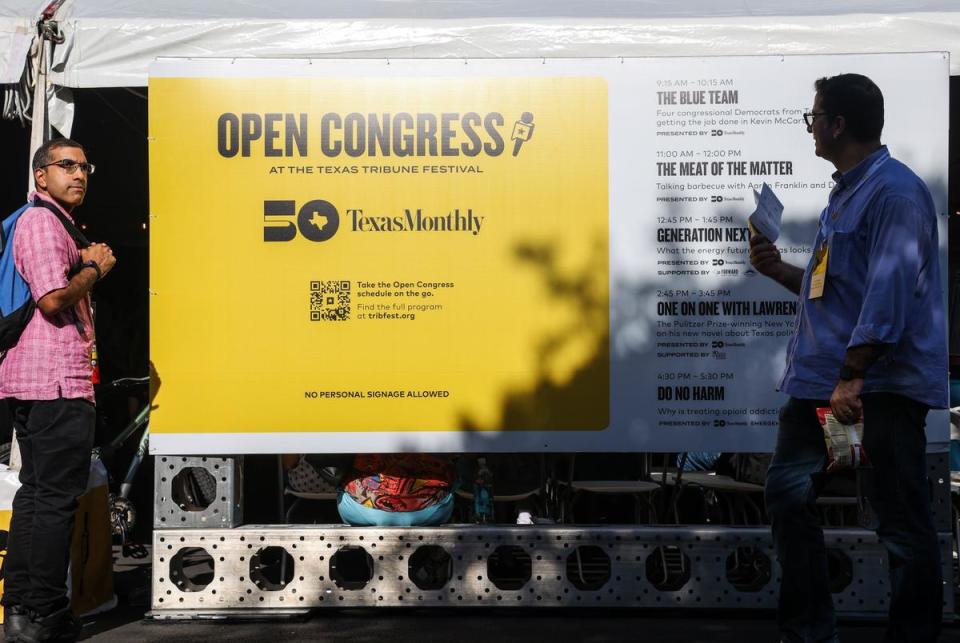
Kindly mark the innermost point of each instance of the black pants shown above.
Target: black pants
(55, 438)
(895, 444)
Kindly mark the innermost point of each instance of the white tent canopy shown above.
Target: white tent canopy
(17, 28)
(112, 42)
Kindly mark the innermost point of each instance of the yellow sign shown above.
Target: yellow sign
(379, 254)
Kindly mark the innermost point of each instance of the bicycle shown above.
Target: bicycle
(123, 513)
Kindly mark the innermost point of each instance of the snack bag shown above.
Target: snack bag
(844, 442)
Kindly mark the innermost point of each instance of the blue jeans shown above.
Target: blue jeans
(895, 444)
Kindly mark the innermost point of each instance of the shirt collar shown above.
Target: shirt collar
(854, 174)
(39, 195)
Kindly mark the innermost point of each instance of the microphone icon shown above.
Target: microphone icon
(522, 131)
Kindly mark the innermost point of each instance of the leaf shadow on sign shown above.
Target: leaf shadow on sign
(155, 382)
(581, 399)
(610, 375)
(625, 346)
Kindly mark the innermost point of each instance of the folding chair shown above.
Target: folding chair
(640, 489)
(286, 490)
(735, 496)
(302, 495)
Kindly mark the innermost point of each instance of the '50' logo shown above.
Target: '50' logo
(317, 220)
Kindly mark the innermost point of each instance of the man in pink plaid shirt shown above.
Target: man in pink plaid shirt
(46, 377)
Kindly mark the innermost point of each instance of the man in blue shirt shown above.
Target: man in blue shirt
(870, 342)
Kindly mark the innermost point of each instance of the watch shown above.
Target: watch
(90, 263)
(847, 373)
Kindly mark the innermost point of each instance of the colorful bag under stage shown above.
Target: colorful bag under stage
(400, 481)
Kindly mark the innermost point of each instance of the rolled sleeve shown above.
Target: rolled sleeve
(894, 241)
(42, 252)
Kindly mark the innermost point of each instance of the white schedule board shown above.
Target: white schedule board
(490, 255)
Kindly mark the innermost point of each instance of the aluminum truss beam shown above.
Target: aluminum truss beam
(217, 571)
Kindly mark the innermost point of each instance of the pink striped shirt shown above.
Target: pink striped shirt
(52, 357)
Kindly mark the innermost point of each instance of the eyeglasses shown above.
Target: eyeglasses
(71, 167)
(808, 117)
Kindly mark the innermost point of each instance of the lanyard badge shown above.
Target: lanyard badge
(819, 277)
(94, 357)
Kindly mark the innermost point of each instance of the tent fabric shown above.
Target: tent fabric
(28, 10)
(110, 52)
(478, 9)
(17, 20)
(112, 42)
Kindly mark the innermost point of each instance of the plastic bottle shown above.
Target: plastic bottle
(483, 493)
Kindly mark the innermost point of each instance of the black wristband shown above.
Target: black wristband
(92, 264)
(847, 373)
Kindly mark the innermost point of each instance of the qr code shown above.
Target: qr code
(329, 300)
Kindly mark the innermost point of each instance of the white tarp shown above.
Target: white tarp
(111, 42)
(17, 28)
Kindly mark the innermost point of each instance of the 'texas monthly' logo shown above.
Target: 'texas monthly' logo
(403, 134)
(319, 220)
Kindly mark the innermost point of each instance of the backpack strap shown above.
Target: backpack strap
(77, 236)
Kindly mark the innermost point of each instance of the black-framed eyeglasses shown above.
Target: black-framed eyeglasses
(808, 117)
(71, 167)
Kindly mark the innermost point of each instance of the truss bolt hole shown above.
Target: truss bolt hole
(509, 567)
(668, 568)
(193, 489)
(192, 568)
(351, 568)
(588, 568)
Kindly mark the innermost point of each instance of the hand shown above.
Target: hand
(102, 255)
(764, 256)
(845, 401)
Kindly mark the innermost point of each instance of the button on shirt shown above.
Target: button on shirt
(882, 287)
(52, 357)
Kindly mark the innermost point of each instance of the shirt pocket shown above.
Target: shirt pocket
(844, 261)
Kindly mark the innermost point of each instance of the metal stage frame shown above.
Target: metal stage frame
(206, 564)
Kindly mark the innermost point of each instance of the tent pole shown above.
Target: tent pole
(40, 126)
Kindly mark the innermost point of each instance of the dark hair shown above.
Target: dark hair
(857, 99)
(42, 156)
